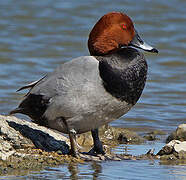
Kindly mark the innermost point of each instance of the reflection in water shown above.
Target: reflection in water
(95, 169)
(179, 172)
(122, 170)
(73, 169)
(173, 163)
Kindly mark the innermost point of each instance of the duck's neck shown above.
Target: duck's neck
(123, 74)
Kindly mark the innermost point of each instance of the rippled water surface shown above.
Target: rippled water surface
(36, 36)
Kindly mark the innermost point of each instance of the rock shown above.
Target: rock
(154, 135)
(179, 134)
(17, 134)
(179, 146)
(115, 135)
(6, 150)
(150, 152)
(150, 137)
(175, 149)
(110, 136)
(26, 145)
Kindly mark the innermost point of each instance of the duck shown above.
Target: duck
(87, 92)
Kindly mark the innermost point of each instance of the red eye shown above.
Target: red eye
(124, 26)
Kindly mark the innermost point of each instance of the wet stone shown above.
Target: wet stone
(179, 134)
(120, 135)
(154, 135)
(150, 137)
(174, 150)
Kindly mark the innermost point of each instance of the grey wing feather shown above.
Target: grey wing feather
(67, 77)
(71, 87)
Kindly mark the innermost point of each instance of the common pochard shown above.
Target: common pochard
(89, 91)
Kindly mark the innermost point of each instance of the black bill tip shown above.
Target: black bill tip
(154, 50)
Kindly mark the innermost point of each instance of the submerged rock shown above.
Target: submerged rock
(154, 135)
(179, 134)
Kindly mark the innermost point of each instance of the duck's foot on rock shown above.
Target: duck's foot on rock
(97, 149)
(73, 153)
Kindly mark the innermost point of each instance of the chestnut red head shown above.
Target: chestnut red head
(113, 31)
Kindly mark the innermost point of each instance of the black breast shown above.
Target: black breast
(124, 74)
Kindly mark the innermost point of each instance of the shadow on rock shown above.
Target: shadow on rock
(40, 139)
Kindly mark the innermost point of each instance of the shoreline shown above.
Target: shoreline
(26, 146)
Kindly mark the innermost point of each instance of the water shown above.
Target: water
(122, 170)
(36, 36)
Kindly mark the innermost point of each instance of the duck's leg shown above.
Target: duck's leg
(73, 143)
(98, 147)
(72, 137)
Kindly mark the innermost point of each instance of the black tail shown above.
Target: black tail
(33, 106)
